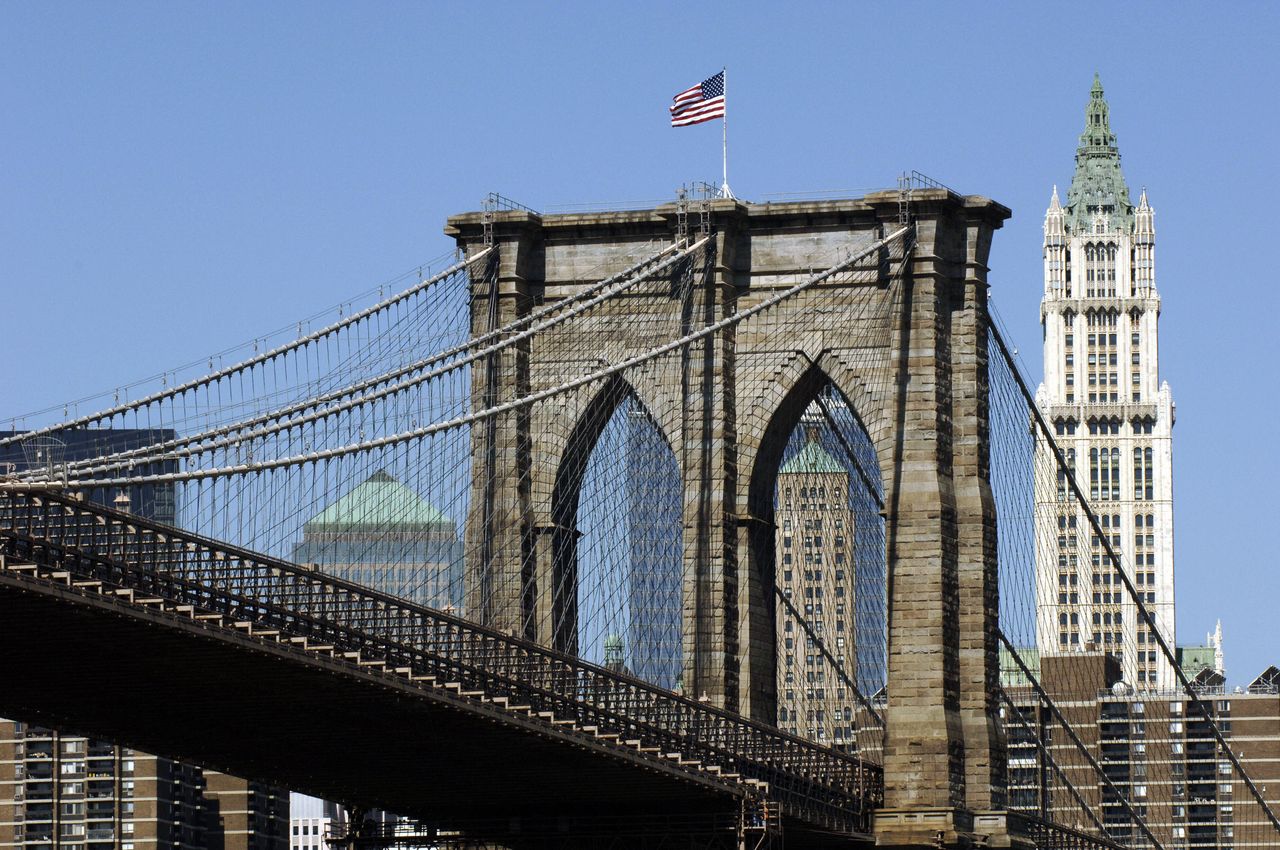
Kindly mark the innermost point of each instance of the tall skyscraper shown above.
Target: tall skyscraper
(1112, 415)
(383, 535)
(815, 571)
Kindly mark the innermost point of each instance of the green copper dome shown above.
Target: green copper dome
(380, 504)
(1098, 185)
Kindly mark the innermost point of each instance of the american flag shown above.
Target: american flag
(702, 102)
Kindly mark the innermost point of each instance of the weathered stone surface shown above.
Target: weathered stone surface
(910, 360)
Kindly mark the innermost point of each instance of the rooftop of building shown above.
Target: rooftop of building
(1193, 659)
(1011, 675)
(882, 205)
(1098, 187)
(813, 458)
(380, 504)
(1196, 662)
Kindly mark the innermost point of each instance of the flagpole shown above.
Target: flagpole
(724, 128)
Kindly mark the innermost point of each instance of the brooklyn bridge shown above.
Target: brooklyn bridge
(589, 601)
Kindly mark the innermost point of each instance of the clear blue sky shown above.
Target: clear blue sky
(179, 177)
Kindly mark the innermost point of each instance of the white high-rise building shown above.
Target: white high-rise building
(1113, 418)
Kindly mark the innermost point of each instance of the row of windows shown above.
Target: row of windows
(816, 592)
(789, 628)
(1097, 379)
(815, 693)
(1100, 269)
(1102, 321)
(812, 558)
(1100, 638)
(813, 542)
(809, 608)
(813, 524)
(790, 643)
(1100, 597)
(838, 713)
(816, 493)
(1104, 474)
(814, 660)
(813, 575)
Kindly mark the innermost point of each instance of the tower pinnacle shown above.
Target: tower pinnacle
(1098, 193)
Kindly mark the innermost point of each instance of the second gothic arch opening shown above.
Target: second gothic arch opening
(817, 488)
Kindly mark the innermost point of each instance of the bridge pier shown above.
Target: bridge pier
(944, 753)
(722, 407)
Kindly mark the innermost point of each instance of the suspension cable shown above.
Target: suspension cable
(205, 380)
(603, 290)
(514, 404)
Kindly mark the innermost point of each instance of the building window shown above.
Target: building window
(1104, 473)
(1063, 488)
(1143, 473)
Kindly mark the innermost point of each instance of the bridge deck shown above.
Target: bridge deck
(182, 646)
(145, 634)
(273, 712)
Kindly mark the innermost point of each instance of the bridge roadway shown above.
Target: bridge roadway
(176, 644)
(122, 628)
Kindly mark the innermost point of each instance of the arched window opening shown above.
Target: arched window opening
(829, 576)
(629, 551)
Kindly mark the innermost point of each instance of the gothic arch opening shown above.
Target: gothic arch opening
(818, 489)
(617, 550)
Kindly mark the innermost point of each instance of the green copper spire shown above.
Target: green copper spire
(1098, 185)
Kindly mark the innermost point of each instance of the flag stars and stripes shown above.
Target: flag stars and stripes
(703, 102)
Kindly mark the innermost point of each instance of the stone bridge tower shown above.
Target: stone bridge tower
(727, 418)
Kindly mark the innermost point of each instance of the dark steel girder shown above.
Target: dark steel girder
(276, 714)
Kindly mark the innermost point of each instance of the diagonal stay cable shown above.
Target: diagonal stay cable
(257, 359)
(514, 404)
(208, 440)
(826, 653)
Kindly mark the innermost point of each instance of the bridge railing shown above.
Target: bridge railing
(126, 551)
(1048, 835)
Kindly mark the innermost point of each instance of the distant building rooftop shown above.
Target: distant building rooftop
(380, 505)
(812, 458)
(1194, 659)
(1011, 675)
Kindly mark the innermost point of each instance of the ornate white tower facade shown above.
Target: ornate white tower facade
(1113, 418)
